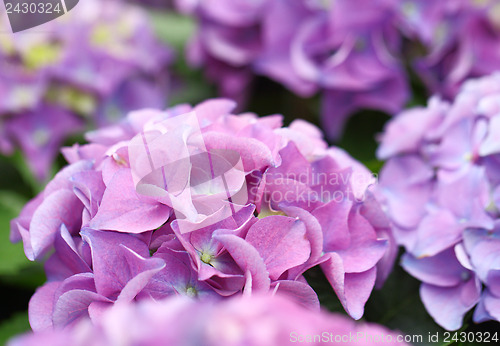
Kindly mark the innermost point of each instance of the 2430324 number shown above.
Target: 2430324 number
(32, 7)
(470, 337)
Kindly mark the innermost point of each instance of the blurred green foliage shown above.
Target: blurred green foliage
(11, 256)
(17, 324)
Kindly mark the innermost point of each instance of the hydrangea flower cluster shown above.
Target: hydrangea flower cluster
(83, 68)
(252, 321)
(199, 202)
(441, 188)
(353, 51)
(459, 36)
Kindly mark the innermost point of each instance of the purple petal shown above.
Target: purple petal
(357, 288)
(123, 210)
(483, 249)
(488, 308)
(89, 188)
(414, 123)
(60, 207)
(248, 258)
(352, 289)
(214, 108)
(333, 218)
(41, 306)
(491, 144)
(442, 269)
(254, 154)
(438, 231)
(62, 179)
(448, 305)
(313, 227)
(66, 260)
(141, 271)
(73, 305)
(281, 242)
(406, 198)
(364, 250)
(300, 292)
(112, 263)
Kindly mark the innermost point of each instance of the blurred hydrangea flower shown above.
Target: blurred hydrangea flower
(354, 52)
(202, 203)
(440, 187)
(460, 37)
(89, 66)
(257, 321)
(345, 49)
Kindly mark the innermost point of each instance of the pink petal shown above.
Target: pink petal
(123, 210)
(281, 242)
(248, 258)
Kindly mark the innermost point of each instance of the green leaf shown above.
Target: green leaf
(360, 134)
(30, 276)
(19, 161)
(173, 28)
(12, 256)
(11, 178)
(189, 84)
(374, 165)
(15, 325)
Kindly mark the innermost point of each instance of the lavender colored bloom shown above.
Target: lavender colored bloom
(347, 49)
(200, 202)
(354, 52)
(440, 188)
(308, 46)
(258, 320)
(90, 66)
(459, 37)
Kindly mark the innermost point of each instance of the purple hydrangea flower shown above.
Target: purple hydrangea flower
(353, 52)
(440, 188)
(199, 202)
(459, 36)
(92, 65)
(258, 320)
(348, 50)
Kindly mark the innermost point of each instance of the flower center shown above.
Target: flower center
(409, 9)
(119, 160)
(191, 292)
(23, 97)
(41, 137)
(41, 56)
(206, 257)
(265, 211)
(494, 15)
(73, 99)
